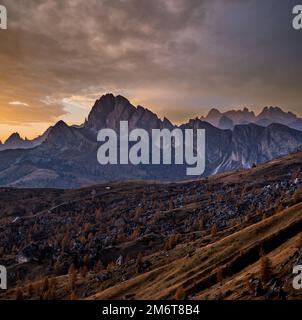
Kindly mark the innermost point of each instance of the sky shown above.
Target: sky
(178, 58)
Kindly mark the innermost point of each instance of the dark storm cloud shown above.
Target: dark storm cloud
(178, 56)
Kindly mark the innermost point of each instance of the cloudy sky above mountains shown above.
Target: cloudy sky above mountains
(177, 57)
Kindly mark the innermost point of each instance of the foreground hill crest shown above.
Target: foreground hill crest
(145, 240)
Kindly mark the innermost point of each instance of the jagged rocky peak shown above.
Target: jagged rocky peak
(213, 117)
(224, 119)
(59, 132)
(60, 127)
(240, 116)
(270, 110)
(276, 111)
(213, 113)
(14, 138)
(109, 110)
(276, 114)
(245, 112)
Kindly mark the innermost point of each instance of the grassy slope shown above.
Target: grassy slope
(235, 253)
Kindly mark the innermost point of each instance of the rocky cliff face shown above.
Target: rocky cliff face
(245, 145)
(66, 156)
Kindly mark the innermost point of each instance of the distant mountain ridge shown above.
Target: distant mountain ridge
(14, 141)
(268, 116)
(66, 155)
(101, 116)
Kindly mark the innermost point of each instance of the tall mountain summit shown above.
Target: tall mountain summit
(109, 110)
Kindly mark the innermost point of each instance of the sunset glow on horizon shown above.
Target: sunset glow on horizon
(178, 58)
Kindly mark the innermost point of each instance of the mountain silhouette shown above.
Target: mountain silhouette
(66, 156)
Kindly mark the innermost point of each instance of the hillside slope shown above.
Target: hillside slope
(235, 256)
(137, 240)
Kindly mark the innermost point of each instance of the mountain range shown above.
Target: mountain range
(65, 156)
(268, 116)
(14, 141)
